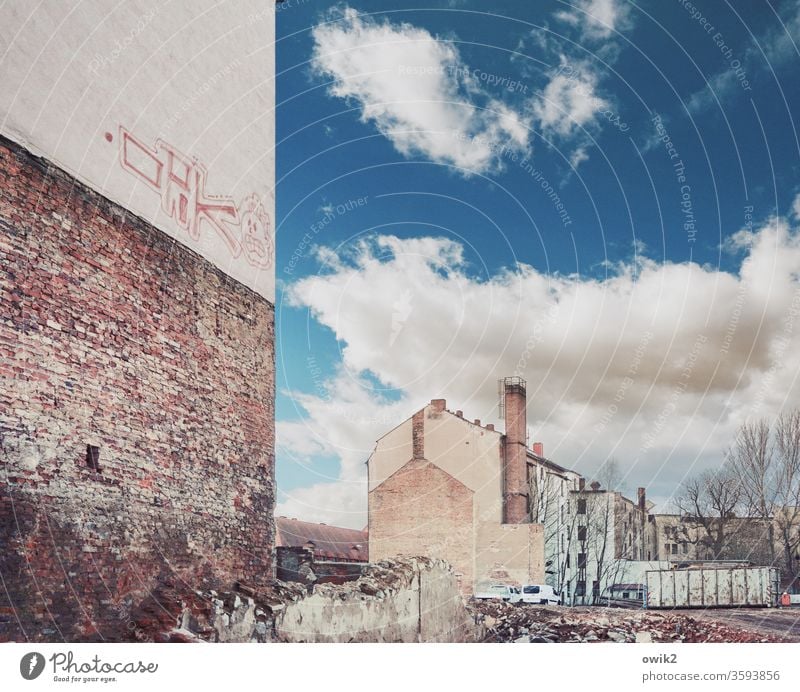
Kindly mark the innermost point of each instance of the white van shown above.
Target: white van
(540, 593)
(511, 594)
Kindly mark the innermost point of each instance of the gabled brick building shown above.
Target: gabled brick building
(442, 486)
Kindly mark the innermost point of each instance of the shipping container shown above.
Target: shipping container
(713, 587)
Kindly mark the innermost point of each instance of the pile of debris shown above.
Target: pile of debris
(523, 623)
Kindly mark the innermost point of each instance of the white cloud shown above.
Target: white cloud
(569, 101)
(656, 364)
(796, 208)
(417, 91)
(597, 19)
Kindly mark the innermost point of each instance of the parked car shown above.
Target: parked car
(540, 593)
(503, 592)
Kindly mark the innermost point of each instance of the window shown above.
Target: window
(581, 533)
(580, 588)
(674, 548)
(581, 506)
(595, 588)
(581, 560)
(567, 560)
(685, 547)
(93, 457)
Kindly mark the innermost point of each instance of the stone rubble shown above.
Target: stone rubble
(522, 623)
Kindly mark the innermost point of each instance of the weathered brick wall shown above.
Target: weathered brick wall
(116, 336)
(421, 510)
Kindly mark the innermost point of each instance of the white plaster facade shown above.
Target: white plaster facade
(165, 107)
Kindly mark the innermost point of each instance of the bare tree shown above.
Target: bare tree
(787, 492)
(752, 459)
(707, 504)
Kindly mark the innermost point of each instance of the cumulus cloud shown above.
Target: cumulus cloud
(569, 101)
(657, 364)
(597, 19)
(417, 91)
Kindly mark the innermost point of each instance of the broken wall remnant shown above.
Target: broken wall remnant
(397, 600)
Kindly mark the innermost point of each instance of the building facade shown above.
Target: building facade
(445, 487)
(607, 542)
(317, 553)
(136, 309)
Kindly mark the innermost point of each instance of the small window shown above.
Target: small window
(581, 533)
(674, 548)
(581, 560)
(685, 547)
(567, 560)
(581, 506)
(93, 457)
(580, 588)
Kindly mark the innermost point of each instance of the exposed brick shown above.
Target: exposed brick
(113, 334)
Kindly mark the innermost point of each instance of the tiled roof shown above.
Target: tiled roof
(326, 542)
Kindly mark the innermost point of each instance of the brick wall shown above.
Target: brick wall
(112, 335)
(421, 510)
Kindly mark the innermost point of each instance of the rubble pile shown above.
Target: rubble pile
(175, 613)
(521, 623)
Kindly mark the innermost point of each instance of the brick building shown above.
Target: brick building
(446, 487)
(136, 311)
(317, 553)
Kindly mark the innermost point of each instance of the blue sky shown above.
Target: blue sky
(599, 195)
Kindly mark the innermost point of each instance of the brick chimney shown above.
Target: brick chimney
(515, 484)
(538, 449)
(438, 405)
(581, 484)
(642, 497)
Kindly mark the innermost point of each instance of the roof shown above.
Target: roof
(546, 462)
(326, 542)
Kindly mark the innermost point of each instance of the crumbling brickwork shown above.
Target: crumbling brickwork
(136, 413)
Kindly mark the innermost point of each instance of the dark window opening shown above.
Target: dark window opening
(580, 588)
(581, 506)
(93, 457)
(581, 533)
(581, 560)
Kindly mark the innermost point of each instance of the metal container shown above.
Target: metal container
(713, 587)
